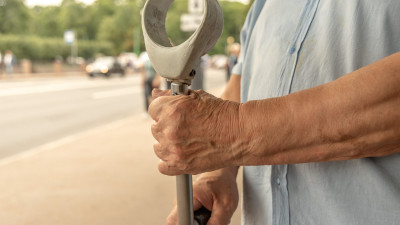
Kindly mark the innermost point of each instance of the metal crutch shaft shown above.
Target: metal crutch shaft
(184, 189)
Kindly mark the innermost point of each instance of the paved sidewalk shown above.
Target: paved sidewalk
(101, 177)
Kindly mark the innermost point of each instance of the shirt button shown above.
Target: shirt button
(292, 49)
(278, 181)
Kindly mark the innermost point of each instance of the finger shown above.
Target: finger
(196, 204)
(157, 93)
(202, 199)
(172, 218)
(159, 151)
(165, 169)
(155, 130)
(219, 215)
(195, 94)
(155, 109)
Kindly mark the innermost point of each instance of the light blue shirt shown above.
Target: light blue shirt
(291, 45)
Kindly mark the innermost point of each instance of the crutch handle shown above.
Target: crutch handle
(202, 216)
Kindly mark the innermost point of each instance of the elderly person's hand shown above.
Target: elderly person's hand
(217, 191)
(194, 133)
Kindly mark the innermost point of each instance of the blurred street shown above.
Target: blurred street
(75, 150)
(38, 111)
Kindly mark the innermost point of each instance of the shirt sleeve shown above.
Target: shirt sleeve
(246, 32)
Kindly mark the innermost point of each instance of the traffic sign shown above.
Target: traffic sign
(190, 22)
(196, 6)
(69, 37)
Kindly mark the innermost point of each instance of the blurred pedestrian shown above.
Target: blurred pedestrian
(234, 51)
(9, 61)
(150, 79)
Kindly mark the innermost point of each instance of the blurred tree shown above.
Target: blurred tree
(97, 12)
(45, 23)
(73, 15)
(105, 7)
(14, 17)
(119, 28)
(234, 17)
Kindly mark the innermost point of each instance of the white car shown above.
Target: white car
(105, 66)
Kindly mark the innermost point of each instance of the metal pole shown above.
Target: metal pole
(72, 54)
(183, 182)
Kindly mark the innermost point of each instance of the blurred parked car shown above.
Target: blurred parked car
(105, 66)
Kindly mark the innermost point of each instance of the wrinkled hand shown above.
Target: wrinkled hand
(217, 191)
(195, 133)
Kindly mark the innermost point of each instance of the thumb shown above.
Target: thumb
(196, 204)
(220, 215)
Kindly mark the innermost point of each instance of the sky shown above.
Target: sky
(58, 2)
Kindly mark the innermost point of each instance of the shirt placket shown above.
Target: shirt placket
(280, 193)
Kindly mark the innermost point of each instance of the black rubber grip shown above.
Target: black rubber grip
(202, 216)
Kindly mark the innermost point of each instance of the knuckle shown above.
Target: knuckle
(173, 113)
(201, 92)
(158, 151)
(154, 129)
(172, 134)
(182, 166)
(178, 152)
(182, 104)
(162, 168)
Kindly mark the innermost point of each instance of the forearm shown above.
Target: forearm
(353, 117)
(232, 89)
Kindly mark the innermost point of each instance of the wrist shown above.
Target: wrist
(266, 127)
(230, 133)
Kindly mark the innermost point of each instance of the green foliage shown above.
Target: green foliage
(115, 23)
(119, 28)
(73, 17)
(35, 48)
(234, 17)
(45, 22)
(14, 17)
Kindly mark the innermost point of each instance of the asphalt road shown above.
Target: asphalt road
(37, 111)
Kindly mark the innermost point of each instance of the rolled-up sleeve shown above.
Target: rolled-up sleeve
(246, 33)
(237, 69)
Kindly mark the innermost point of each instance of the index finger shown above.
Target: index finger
(155, 109)
(173, 216)
(157, 93)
